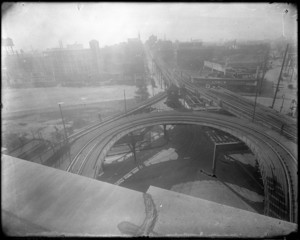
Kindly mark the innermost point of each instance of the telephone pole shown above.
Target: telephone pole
(265, 67)
(256, 92)
(125, 108)
(287, 46)
(62, 118)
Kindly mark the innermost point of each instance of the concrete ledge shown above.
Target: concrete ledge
(43, 201)
(40, 200)
(179, 214)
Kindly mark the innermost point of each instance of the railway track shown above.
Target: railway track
(115, 117)
(262, 116)
(278, 166)
(83, 138)
(243, 107)
(238, 104)
(267, 113)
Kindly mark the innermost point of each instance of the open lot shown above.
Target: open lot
(35, 110)
(28, 99)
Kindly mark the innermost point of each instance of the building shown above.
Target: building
(166, 50)
(69, 65)
(26, 69)
(74, 65)
(134, 65)
(217, 69)
(95, 54)
(191, 55)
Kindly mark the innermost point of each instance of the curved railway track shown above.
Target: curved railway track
(115, 117)
(82, 138)
(278, 166)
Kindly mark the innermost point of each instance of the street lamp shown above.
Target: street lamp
(66, 138)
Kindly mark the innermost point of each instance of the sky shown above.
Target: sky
(42, 25)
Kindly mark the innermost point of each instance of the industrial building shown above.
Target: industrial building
(73, 65)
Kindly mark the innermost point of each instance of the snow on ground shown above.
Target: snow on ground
(161, 106)
(117, 158)
(41, 98)
(162, 156)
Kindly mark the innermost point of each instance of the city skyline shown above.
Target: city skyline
(111, 23)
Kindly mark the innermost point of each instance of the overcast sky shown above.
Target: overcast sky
(42, 25)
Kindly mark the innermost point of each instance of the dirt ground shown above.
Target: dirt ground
(77, 116)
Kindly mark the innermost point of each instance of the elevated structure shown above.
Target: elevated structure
(42, 201)
(230, 101)
(239, 84)
(240, 108)
(277, 162)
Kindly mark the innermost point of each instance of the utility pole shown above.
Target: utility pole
(292, 74)
(125, 102)
(66, 138)
(287, 46)
(282, 102)
(255, 97)
(264, 69)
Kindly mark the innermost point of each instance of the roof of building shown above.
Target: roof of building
(44, 201)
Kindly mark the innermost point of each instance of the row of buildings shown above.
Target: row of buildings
(192, 55)
(238, 66)
(228, 58)
(73, 64)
